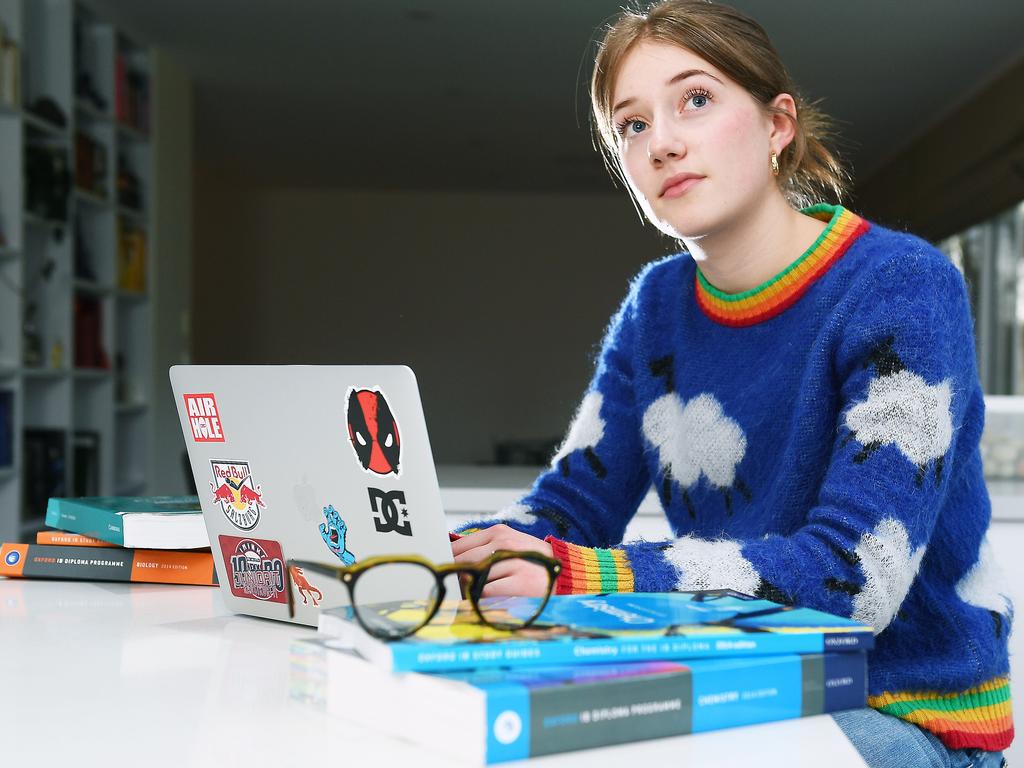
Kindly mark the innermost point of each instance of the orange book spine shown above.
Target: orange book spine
(61, 561)
(168, 566)
(65, 539)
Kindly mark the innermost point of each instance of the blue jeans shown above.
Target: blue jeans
(885, 741)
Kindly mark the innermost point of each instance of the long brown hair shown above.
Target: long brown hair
(809, 172)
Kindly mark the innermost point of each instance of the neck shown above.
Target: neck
(746, 253)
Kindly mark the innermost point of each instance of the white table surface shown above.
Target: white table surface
(117, 674)
(473, 489)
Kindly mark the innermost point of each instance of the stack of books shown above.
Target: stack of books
(154, 539)
(592, 671)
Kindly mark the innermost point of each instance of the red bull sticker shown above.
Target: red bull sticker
(204, 418)
(255, 568)
(239, 497)
(373, 431)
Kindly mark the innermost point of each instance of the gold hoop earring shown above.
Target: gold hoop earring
(775, 164)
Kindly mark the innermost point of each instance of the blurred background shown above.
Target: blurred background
(324, 181)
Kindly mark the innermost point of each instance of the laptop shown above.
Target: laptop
(323, 463)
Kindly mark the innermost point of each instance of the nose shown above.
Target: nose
(664, 143)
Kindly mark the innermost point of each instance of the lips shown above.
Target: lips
(679, 184)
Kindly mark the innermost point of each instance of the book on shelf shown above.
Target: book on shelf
(87, 562)
(6, 428)
(131, 258)
(510, 713)
(150, 522)
(85, 447)
(44, 470)
(587, 629)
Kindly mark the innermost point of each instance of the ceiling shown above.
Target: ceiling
(491, 94)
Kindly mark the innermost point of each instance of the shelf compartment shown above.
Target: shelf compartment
(131, 409)
(45, 127)
(91, 199)
(90, 288)
(86, 111)
(92, 374)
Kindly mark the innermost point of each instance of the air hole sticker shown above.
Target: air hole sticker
(204, 418)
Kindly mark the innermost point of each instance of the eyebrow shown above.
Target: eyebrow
(678, 78)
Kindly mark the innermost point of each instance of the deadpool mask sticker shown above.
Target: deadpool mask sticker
(239, 497)
(373, 431)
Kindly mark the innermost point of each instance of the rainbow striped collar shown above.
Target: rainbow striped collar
(785, 289)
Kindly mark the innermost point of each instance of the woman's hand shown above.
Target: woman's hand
(516, 578)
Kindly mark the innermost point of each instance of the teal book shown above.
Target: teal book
(511, 713)
(589, 629)
(145, 522)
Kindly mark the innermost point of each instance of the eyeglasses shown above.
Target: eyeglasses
(423, 582)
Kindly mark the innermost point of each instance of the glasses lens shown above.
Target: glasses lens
(395, 599)
(515, 612)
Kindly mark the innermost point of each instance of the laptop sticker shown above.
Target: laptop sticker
(236, 493)
(390, 511)
(304, 587)
(204, 418)
(255, 568)
(334, 533)
(373, 431)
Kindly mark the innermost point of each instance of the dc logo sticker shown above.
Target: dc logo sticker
(239, 497)
(255, 568)
(13, 557)
(373, 431)
(390, 512)
(507, 727)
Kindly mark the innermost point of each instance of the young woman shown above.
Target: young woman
(799, 385)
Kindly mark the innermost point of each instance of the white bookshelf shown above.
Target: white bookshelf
(55, 386)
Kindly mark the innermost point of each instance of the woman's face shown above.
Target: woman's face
(694, 145)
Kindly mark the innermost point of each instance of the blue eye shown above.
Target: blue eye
(698, 97)
(632, 125)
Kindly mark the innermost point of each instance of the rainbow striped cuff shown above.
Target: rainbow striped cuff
(588, 570)
(978, 717)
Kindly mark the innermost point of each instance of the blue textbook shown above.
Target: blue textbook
(581, 629)
(509, 713)
(145, 522)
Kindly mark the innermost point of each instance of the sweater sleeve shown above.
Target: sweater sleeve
(597, 477)
(908, 383)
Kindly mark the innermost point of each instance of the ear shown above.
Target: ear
(783, 130)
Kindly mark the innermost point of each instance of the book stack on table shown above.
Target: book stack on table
(154, 539)
(591, 671)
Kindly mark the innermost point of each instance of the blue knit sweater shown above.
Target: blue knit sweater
(814, 441)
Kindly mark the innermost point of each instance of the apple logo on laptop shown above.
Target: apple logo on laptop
(305, 500)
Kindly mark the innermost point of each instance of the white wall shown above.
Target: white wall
(172, 264)
(496, 301)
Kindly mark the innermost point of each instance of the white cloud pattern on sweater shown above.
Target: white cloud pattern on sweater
(707, 564)
(889, 567)
(902, 408)
(587, 427)
(515, 513)
(985, 584)
(695, 438)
